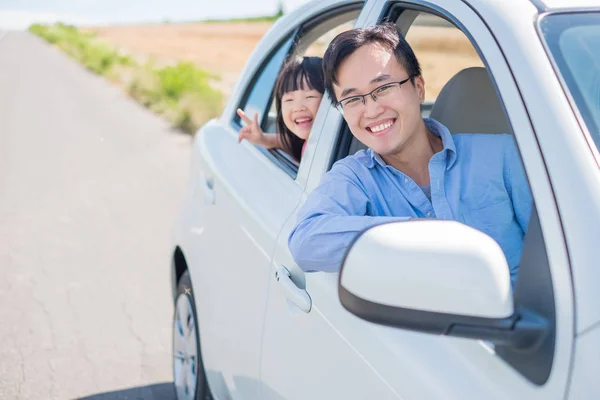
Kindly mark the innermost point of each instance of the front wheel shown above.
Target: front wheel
(188, 370)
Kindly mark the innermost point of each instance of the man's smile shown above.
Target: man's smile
(380, 128)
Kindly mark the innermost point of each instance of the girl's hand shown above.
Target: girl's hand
(251, 131)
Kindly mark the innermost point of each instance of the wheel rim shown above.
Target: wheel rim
(185, 352)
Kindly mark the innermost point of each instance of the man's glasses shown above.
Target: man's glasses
(356, 103)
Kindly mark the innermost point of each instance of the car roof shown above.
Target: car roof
(569, 4)
(515, 10)
(540, 5)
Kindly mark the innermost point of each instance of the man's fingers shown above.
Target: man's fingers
(243, 116)
(256, 120)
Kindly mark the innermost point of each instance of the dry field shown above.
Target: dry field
(223, 48)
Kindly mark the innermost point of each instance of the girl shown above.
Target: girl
(298, 92)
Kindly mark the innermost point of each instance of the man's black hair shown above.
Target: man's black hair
(346, 43)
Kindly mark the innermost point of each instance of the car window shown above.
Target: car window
(464, 96)
(459, 89)
(258, 95)
(310, 39)
(309, 46)
(573, 41)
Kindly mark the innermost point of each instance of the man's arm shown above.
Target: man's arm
(333, 215)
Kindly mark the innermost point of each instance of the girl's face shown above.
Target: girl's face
(299, 109)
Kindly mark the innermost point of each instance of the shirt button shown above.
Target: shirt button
(429, 214)
(405, 180)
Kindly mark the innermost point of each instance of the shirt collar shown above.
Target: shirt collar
(437, 129)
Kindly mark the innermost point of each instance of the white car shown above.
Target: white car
(421, 309)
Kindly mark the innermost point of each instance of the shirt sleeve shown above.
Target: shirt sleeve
(334, 214)
(517, 185)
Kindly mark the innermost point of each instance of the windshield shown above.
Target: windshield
(574, 43)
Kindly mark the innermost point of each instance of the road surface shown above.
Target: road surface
(90, 183)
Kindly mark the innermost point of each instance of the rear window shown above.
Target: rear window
(573, 40)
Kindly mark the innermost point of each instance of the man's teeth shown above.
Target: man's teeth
(381, 127)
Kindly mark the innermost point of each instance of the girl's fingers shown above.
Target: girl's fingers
(243, 116)
(242, 134)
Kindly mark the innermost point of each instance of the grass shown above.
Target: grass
(181, 92)
(94, 55)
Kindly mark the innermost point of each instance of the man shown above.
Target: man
(414, 167)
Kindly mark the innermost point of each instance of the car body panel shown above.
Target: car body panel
(229, 259)
(584, 384)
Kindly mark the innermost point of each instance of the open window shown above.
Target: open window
(309, 39)
(462, 94)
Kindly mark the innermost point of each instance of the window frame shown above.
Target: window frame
(273, 155)
(537, 367)
(319, 23)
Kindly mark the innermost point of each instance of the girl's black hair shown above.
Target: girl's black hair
(295, 75)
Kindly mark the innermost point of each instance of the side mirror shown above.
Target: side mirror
(438, 277)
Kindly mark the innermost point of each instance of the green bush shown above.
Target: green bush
(96, 56)
(185, 77)
(181, 92)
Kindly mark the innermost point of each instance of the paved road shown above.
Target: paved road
(89, 187)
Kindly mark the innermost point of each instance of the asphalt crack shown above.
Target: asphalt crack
(80, 345)
(138, 338)
(23, 377)
(44, 307)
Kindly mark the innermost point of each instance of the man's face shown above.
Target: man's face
(388, 125)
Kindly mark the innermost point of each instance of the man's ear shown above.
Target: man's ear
(420, 86)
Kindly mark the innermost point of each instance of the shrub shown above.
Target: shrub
(181, 92)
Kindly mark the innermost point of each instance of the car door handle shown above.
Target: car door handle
(208, 188)
(299, 297)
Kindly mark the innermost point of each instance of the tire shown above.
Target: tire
(188, 370)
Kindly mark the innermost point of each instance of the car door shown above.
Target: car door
(326, 352)
(248, 194)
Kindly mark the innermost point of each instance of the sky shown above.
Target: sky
(19, 14)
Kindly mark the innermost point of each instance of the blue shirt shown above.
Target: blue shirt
(477, 179)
